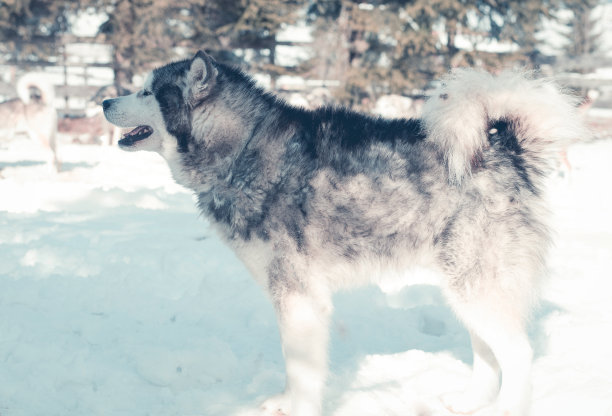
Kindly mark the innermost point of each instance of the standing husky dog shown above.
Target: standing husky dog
(31, 113)
(316, 201)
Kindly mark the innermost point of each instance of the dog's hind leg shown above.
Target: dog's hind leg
(52, 134)
(484, 382)
(492, 260)
(497, 323)
(303, 322)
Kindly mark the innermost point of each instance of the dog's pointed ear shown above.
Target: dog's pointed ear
(202, 75)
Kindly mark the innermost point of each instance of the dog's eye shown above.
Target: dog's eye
(146, 93)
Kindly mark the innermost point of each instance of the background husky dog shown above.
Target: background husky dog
(31, 113)
(315, 201)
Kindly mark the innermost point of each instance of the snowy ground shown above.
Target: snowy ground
(117, 299)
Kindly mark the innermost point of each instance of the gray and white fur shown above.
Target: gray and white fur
(314, 201)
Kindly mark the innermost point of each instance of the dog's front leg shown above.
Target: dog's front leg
(304, 327)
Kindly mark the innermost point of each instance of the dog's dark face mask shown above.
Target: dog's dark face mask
(179, 88)
(161, 111)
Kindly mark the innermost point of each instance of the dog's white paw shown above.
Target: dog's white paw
(464, 403)
(279, 405)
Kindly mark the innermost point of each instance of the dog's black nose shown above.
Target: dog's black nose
(106, 104)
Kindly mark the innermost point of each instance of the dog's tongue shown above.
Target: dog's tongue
(138, 130)
(136, 135)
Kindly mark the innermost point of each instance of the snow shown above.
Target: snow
(299, 32)
(86, 22)
(116, 298)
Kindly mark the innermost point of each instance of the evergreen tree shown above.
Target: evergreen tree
(395, 46)
(582, 52)
(143, 34)
(31, 29)
(146, 33)
(225, 26)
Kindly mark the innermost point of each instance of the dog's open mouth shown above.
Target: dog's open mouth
(139, 133)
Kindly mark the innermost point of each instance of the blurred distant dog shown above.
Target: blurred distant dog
(318, 200)
(32, 113)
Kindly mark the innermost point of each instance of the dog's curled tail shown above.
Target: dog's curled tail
(461, 115)
(44, 90)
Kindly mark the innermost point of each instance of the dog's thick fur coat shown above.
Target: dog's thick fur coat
(316, 201)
